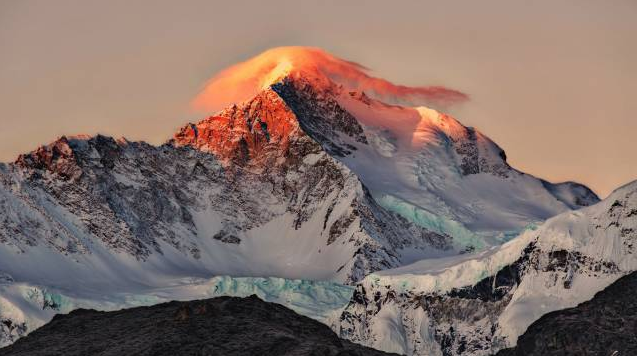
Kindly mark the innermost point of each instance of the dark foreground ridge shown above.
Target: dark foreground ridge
(218, 326)
(605, 325)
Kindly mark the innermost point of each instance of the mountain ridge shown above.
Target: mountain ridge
(100, 155)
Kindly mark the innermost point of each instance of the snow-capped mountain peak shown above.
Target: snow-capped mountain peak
(261, 130)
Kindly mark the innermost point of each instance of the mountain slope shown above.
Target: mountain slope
(478, 304)
(605, 325)
(429, 167)
(220, 326)
(425, 165)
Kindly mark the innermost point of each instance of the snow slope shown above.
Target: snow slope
(477, 304)
(427, 166)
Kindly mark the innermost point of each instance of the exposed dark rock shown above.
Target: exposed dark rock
(321, 117)
(219, 326)
(226, 237)
(605, 325)
(582, 196)
(472, 162)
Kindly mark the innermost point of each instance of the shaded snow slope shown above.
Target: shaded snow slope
(426, 166)
(477, 304)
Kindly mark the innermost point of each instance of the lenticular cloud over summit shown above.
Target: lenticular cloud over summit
(243, 80)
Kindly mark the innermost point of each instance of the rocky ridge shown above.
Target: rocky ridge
(219, 326)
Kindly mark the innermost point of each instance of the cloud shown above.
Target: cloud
(242, 81)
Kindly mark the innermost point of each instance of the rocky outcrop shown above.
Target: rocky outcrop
(261, 133)
(321, 116)
(219, 326)
(57, 157)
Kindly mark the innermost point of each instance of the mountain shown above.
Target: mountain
(219, 326)
(605, 325)
(310, 171)
(481, 303)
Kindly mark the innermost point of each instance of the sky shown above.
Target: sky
(552, 82)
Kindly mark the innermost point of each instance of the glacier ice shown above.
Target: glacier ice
(462, 237)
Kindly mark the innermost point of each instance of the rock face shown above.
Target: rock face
(219, 326)
(259, 134)
(479, 304)
(605, 325)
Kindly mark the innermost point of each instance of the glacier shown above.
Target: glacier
(463, 237)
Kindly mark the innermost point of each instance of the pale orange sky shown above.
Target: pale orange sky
(552, 82)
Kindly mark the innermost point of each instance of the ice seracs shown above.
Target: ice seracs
(477, 304)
